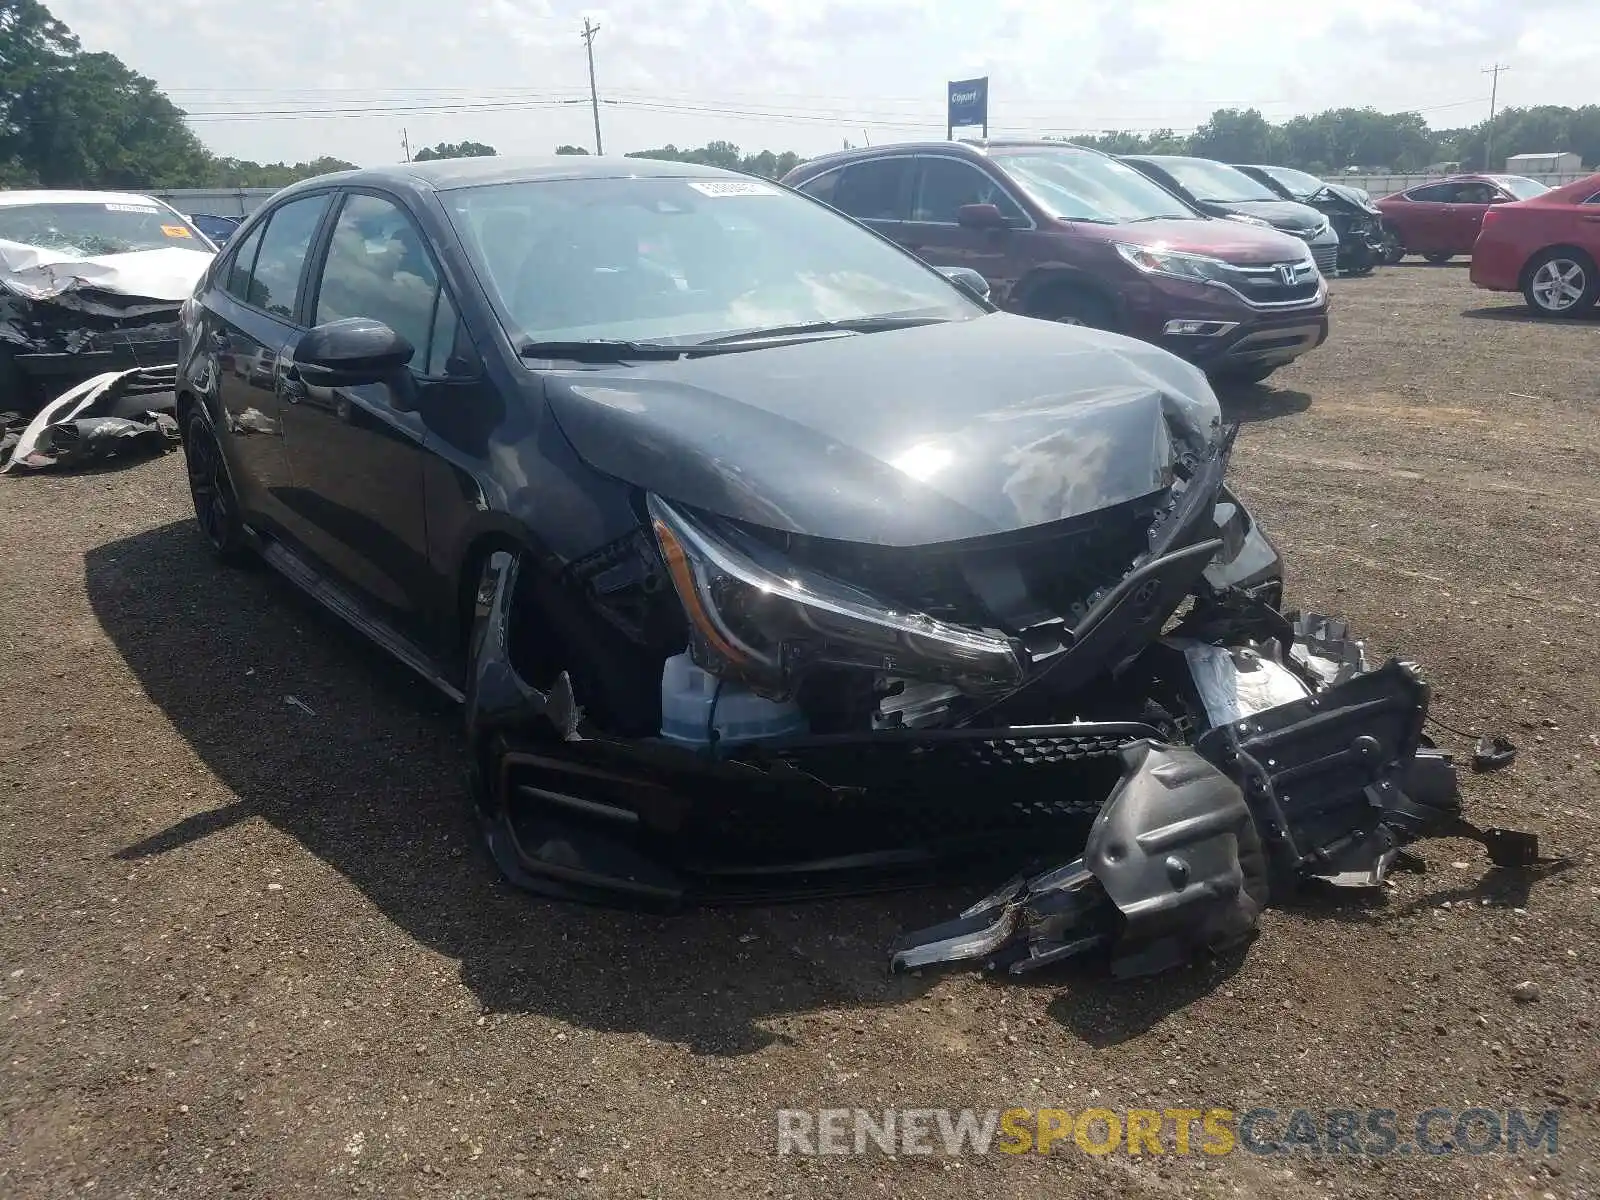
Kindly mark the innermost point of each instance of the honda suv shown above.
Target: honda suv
(1069, 234)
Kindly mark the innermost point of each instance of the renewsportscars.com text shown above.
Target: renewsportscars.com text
(1212, 1132)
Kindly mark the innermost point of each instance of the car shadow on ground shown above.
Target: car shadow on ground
(1519, 314)
(1247, 403)
(365, 768)
(326, 738)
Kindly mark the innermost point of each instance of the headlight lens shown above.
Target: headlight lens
(761, 620)
(1174, 262)
(1246, 220)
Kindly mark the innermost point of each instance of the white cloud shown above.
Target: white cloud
(803, 74)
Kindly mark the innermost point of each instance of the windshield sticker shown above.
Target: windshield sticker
(732, 187)
(147, 210)
(175, 231)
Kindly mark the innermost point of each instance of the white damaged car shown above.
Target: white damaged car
(90, 283)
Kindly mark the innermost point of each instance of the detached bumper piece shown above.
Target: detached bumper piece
(117, 414)
(1194, 842)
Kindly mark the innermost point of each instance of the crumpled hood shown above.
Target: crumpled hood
(160, 278)
(905, 437)
(1350, 195)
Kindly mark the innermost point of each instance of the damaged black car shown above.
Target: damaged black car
(1364, 240)
(90, 283)
(768, 562)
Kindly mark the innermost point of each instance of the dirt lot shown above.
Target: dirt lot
(250, 950)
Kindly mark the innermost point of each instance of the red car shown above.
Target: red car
(1440, 220)
(1546, 248)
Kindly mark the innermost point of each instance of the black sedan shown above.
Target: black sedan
(767, 560)
(1224, 191)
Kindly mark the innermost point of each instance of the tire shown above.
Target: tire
(1438, 258)
(1561, 283)
(216, 504)
(1393, 251)
(1073, 306)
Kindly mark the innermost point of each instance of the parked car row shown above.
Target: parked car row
(1073, 235)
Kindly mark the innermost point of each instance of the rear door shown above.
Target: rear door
(249, 317)
(941, 186)
(876, 192)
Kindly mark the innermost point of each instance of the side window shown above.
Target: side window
(377, 267)
(1433, 193)
(275, 284)
(1594, 199)
(944, 185)
(1474, 193)
(241, 265)
(871, 190)
(822, 187)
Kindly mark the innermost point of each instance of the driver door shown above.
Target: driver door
(1472, 202)
(356, 453)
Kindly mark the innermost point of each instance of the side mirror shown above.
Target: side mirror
(981, 216)
(967, 280)
(350, 352)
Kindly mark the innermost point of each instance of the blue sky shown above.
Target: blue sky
(781, 74)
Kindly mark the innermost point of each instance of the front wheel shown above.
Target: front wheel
(1561, 283)
(1073, 306)
(216, 505)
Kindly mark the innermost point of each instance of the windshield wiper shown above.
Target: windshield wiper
(600, 350)
(857, 325)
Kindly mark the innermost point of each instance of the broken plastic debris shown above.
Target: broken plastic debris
(1492, 753)
(296, 702)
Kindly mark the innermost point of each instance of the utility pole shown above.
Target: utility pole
(1494, 92)
(405, 142)
(594, 97)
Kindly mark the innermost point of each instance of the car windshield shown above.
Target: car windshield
(1520, 187)
(86, 229)
(1214, 181)
(1081, 185)
(1298, 183)
(684, 260)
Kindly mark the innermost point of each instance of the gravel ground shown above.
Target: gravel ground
(250, 947)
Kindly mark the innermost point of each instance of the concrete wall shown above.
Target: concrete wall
(221, 202)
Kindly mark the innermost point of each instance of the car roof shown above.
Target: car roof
(959, 147)
(446, 174)
(12, 199)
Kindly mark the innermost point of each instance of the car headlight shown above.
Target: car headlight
(762, 620)
(1175, 262)
(1245, 220)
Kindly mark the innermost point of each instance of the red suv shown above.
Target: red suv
(1069, 234)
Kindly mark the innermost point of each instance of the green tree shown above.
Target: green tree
(1236, 136)
(571, 150)
(454, 150)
